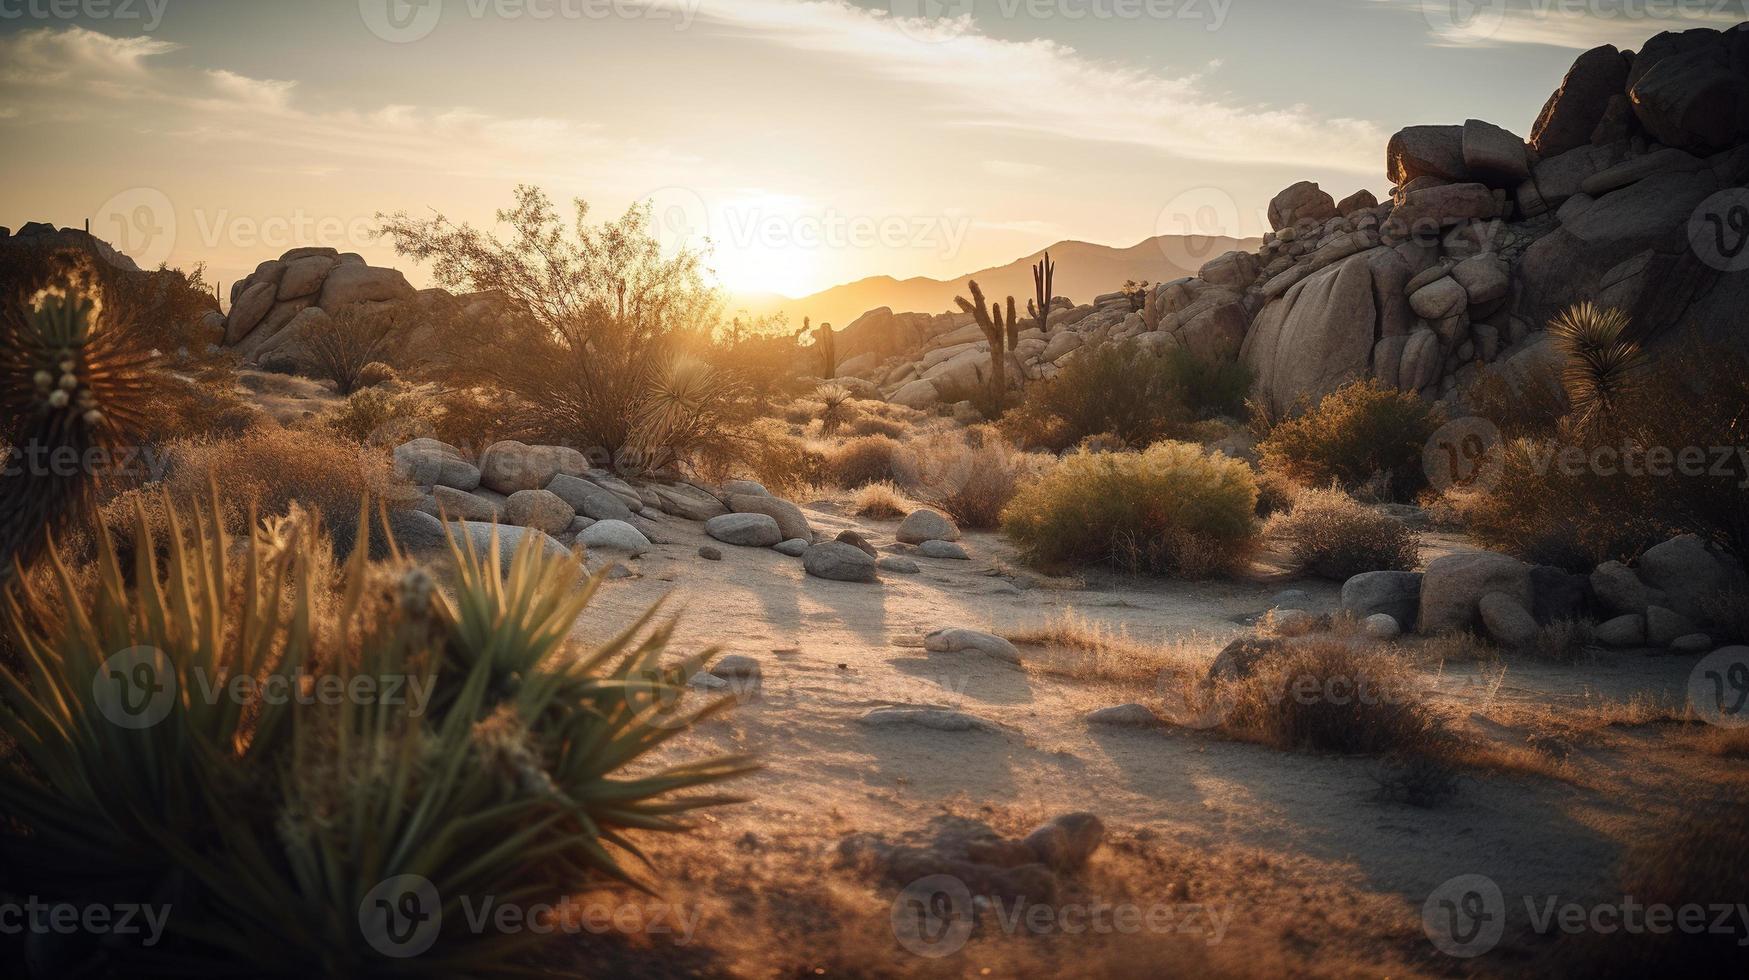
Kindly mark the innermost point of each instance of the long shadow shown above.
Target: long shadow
(969, 676)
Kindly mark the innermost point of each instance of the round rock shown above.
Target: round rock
(747, 530)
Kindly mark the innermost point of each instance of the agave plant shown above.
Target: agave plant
(277, 824)
(1603, 363)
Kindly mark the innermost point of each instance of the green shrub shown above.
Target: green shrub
(1170, 509)
(1366, 436)
(1334, 536)
(499, 769)
(1119, 390)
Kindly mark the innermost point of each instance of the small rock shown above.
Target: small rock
(709, 553)
(617, 536)
(1125, 716)
(1289, 599)
(896, 564)
(1507, 622)
(793, 547)
(1293, 622)
(745, 486)
(1239, 659)
(747, 530)
(1692, 643)
(939, 719)
(539, 509)
(943, 549)
(1622, 631)
(707, 681)
(838, 562)
(1381, 626)
(957, 640)
(735, 666)
(1065, 843)
(926, 525)
(852, 538)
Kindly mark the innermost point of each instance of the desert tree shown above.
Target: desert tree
(594, 314)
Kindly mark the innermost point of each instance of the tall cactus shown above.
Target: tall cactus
(1044, 276)
(826, 343)
(999, 332)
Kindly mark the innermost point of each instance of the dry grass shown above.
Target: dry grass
(1338, 697)
(1564, 641)
(971, 476)
(1077, 648)
(1333, 536)
(882, 501)
(864, 460)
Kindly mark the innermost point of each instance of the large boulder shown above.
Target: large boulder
(348, 284)
(839, 562)
(1426, 151)
(1238, 269)
(1493, 155)
(916, 394)
(1315, 337)
(1452, 588)
(685, 500)
(509, 466)
(1696, 99)
(248, 311)
(1620, 590)
(1397, 594)
(1507, 621)
(614, 536)
(1686, 572)
(304, 276)
(926, 525)
(1300, 202)
(1218, 333)
(290, 345)
(510, 539)
(1573, 111)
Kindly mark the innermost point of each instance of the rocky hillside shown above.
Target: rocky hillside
(1629, 192)
(1086, 269)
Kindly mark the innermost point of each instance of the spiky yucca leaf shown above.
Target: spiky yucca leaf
(75, 386)
(1602, 363)
(507, 781)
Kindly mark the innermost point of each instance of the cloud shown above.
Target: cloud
(1576, 24)
(964, 78)
(75, 73)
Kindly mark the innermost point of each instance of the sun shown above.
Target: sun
(791, 270)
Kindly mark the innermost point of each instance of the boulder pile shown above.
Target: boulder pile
(1483, 237)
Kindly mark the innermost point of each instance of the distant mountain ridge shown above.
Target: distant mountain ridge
(1084, 269)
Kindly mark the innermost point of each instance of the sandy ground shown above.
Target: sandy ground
(832, 651)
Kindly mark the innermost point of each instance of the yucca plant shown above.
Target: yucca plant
(270, 827)
(834, 407)
(689, 406)
(1602, 363)
(75, 386)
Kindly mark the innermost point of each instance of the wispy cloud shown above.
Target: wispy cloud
(1577, 24)
(962, 77)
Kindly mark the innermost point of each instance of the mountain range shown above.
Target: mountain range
(1083, 270)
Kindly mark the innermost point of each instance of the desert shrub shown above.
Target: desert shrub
(1334, 696)
(1334, 536)
(376, 373)
(271, 469)
(595, 318)
(1637, 470)
(864, 460)
(688, 408)
(473, 418)
(1365, 436)
(989, 402)
(783, 463)
(1275, 492)
(381, 417)
(835, 407)
(485, 752)
(1563, 640)
(876, 425)
(1110, 389)
(1209, 388)
(970, 475)
(1726, 613)
(881, 502)
(341, 346)
(1527, 404)
(1170, 509)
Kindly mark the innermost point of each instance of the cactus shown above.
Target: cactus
(1151, 309)
(998, 332)
(826, 343)
(1044, 276)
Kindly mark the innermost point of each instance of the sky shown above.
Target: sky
(808, 143)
